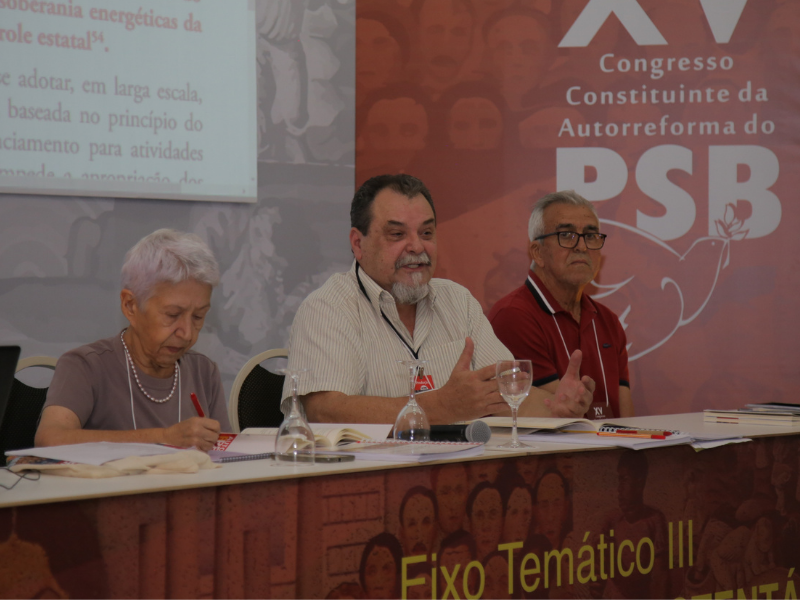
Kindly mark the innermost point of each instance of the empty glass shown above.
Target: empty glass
(514, 382)
(295, 442)
(412, 424)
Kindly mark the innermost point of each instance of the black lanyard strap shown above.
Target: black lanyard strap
(414, 353)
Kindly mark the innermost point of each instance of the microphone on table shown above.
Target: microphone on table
(477, 431)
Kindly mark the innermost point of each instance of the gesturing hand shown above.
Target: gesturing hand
(574, 393)
(467, 394)
(199, 432)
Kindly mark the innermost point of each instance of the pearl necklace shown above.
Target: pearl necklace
(175, 374)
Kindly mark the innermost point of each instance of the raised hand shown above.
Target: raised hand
(466, 395)
(574, 393)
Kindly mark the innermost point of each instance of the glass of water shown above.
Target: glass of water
(514, 382)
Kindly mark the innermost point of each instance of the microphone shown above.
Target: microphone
(477, 431)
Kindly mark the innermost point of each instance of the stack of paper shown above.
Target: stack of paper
(754, 415)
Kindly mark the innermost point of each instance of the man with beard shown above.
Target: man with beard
(352, 332)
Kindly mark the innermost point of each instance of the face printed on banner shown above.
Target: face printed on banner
(483, 470)
(528, 469)
(400, 247)
(445, 38)
(397, 124)
(496, 585)
(517, 50)
(551, 508)
(449, 558)
(566, 268)
(630, 489)
(518, 516)
(451, 497)
(379, 60)
(418, 526)
(421, 591)
(380, 575)
(475, 124)
(486, 521)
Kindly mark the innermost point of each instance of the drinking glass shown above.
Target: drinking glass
(514, 382)
(412, 424)
(295, 442)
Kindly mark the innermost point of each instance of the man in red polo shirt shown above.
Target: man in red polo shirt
(549, 319)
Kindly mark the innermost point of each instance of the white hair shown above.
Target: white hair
(169, 256)
(536, 222)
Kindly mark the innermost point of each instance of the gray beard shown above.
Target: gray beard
(410, 294)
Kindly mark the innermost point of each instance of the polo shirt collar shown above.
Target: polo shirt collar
(378, 296)
(547, 302)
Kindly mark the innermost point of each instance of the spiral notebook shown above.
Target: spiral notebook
(225, 456)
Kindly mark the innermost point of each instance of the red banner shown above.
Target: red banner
(678, 120)
(660, 523)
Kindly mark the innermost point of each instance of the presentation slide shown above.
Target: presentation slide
(129, 98)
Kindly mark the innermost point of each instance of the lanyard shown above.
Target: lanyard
(385, 318)
(540, 299)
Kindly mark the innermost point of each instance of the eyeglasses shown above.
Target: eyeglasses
(569, 239)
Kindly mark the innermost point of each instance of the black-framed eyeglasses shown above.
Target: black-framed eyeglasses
(569, 239)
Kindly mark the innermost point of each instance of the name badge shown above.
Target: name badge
(599, 411)
(423, 383)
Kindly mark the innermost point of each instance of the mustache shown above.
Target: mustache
(413, 259)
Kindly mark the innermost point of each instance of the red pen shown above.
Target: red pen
(642, 431)
(645, 436)
(197, 406)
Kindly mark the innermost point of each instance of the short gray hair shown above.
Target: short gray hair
(536, 222)
(169, 256)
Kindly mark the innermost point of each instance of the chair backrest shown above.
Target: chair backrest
(255, 399)
(24, 408)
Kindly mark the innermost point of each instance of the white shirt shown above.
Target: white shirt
(340, 335)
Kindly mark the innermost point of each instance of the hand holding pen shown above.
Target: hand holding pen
(197, 432)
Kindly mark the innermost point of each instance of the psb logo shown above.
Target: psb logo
(722, 17)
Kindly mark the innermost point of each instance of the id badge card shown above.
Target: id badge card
(599, 411)
(423, 383)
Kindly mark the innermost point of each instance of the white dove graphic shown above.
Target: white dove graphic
(660, 290)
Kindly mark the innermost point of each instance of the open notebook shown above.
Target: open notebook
(254, 440)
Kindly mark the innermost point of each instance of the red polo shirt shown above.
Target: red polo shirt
(532, 325)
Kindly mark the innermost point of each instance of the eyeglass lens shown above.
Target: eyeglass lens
(569, 239)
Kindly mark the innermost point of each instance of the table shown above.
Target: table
(663, 522)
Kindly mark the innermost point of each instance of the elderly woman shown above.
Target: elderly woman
(136, 386)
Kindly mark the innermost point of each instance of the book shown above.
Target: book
(781, 407)
(259, 440)
(611, 440)
(531, 424)
(781, 418)
(401, 451)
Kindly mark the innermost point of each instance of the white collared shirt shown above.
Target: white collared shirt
(340, 335)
